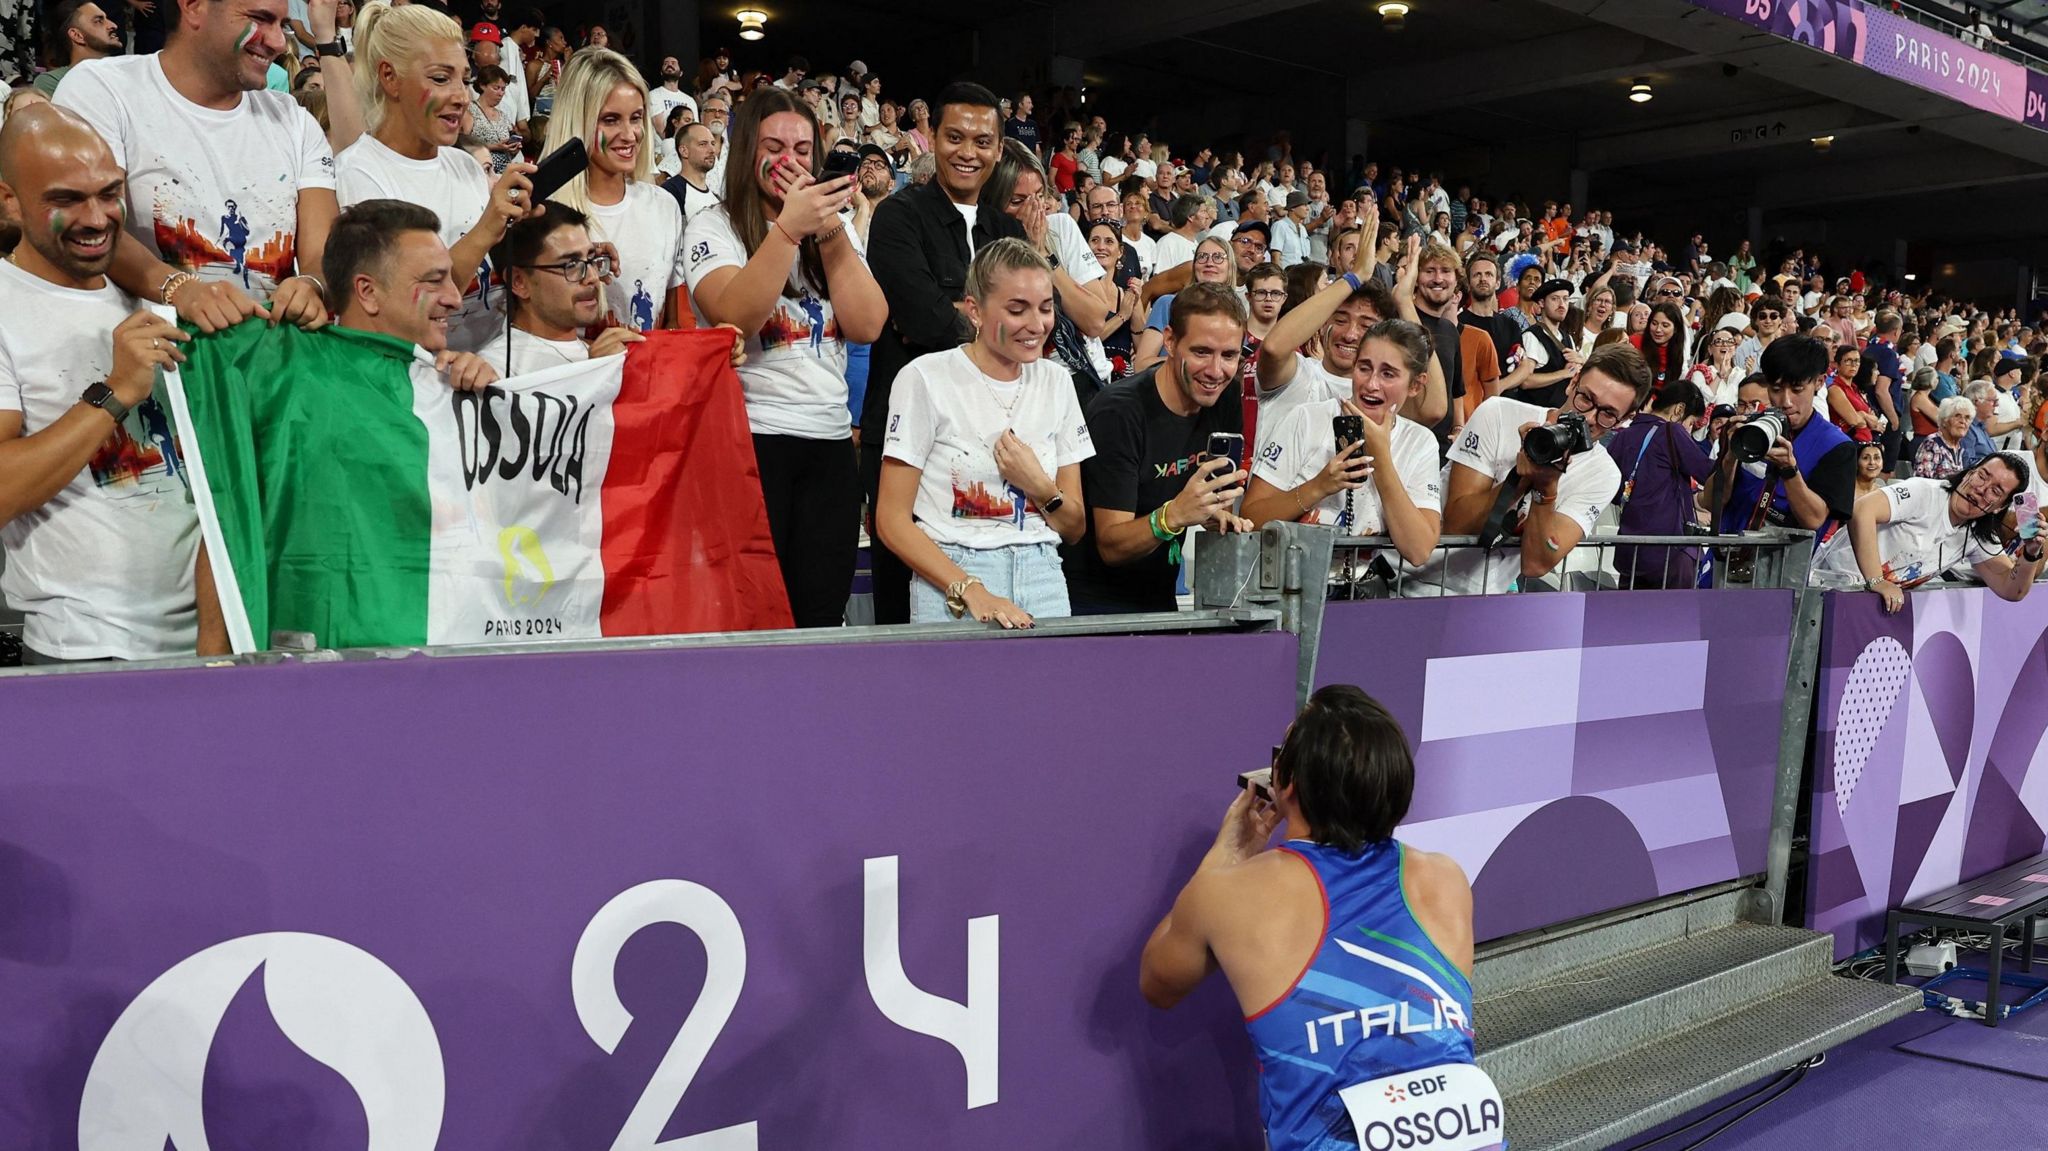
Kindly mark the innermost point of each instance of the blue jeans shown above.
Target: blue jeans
(1028, 575)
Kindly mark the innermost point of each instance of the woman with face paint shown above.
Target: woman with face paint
(777, 261)
(981, 471)
(412, 77)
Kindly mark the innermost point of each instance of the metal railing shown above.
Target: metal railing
(1943, 22)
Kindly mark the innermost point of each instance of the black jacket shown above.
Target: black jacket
(917, 250)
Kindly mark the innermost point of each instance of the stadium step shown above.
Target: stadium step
(1600, 1032)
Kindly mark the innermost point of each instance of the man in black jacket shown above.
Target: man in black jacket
(918, 248)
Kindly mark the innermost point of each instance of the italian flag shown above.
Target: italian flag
(350, 498)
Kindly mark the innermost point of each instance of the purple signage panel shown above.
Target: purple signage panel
(817, 897)
(1929, 734)
(2037, 99)
(1894, 46)
(1578, 753)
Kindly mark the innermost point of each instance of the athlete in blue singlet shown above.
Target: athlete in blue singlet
(1349, 952)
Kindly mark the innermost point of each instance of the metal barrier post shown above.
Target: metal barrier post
(1794, 723)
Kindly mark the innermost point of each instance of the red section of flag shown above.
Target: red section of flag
(686, 543)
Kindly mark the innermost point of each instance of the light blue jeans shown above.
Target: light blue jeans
(1027, 575)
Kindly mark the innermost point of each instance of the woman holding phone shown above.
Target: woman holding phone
(411, 74)
(1386, 482)
(776, 261)
(602, 101)
(981, 471)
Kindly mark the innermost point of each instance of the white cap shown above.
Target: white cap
(857, 68)
(1732, 322)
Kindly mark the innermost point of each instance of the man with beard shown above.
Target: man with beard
(918, 248)
(669, 96)
(79, 30)
(1150, 480)
(553, 291)
(100, 538)
(697, 149)
(1482, 309)
(1436, 301)
(1550, 355)
(877, 178)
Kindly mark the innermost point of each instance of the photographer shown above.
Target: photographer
(1915, 530)
(1495, 485)
(1808, 475)
(1375, 929)
(1388, 482)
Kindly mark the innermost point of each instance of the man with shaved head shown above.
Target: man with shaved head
(100, 534)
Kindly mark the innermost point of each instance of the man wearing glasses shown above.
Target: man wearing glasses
(554, 289)
(1809, 477)
(1491, 486)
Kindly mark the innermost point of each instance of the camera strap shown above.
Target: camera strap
(1510, 495)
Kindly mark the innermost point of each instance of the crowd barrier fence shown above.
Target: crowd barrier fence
(616, 889)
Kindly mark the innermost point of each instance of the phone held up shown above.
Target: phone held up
(1229, 445)
(559, 167)
(839, 163)
(1350, 430)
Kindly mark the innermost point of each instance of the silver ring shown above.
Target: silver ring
(512, 195)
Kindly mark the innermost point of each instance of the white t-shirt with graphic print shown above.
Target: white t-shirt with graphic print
(453, 186)
(647, 229)
(945, 416)
(214, 192)
(1917, 544)
(795, 370)
(1296, 450)
(104, 569)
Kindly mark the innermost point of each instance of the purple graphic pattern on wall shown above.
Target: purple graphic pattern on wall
(1579, 753)
(1925, 770)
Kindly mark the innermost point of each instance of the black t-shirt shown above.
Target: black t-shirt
(1144, 454)
(1443, 334)
(1503, 331)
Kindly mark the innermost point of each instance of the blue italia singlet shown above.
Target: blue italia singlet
(1378, 999)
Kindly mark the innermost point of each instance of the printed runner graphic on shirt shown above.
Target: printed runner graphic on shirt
(223, 250)
(127, 462)
(346, 492)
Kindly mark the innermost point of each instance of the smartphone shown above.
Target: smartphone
(1229, 445)
(1350, 430)
(1259, 783)
(559, 167)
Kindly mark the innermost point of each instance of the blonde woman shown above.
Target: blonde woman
(981, 470)
(412, 78)
(602, 101)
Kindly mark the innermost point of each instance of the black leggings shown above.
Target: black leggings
(890, 576)
(813, 494)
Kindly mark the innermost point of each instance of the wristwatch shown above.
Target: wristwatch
(331, 48)
(1058, 501)
(2030, 551)
(1053, 258)
(102, 397)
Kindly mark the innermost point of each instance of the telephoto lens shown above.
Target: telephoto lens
(1548, 445)
(1753, 440)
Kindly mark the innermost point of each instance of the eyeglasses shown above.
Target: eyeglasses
(1268, 293)
(1210, 257)
(577, 269)
(1607, 418)
(1987, 487)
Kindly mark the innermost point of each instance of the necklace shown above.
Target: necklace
(989, 383)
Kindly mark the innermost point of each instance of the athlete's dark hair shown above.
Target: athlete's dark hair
(1351, 768)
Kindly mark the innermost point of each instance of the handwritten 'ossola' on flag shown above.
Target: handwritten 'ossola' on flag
(348, 494)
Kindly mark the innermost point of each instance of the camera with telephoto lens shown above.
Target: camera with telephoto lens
(1549, 445)
(1755, 437)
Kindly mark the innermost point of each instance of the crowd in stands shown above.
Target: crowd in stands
(1020, 349)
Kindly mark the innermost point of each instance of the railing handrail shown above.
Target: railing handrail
(1774, 537)
(1941, 21)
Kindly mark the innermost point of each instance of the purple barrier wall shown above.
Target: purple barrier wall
(1926, 768)
(1894, 46)
(1578, 753)
(442, 868)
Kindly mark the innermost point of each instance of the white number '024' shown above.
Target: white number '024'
(343, 1007)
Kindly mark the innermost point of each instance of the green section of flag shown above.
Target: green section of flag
(317, 469)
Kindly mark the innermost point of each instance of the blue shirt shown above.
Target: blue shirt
(1977, 443)
(1379, 998)
(1886, 357)
(1827, 459)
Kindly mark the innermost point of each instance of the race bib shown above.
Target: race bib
(1454, 1107)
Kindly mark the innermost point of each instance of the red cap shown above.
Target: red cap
(485, 30)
